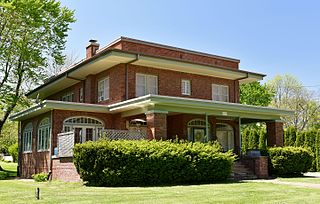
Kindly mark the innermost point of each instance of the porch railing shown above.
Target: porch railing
(66, 140)
(65, 144)
(125, 134)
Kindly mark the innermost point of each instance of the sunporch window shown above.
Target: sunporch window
(220, 92)
(44, 131)
(27, 138)
(146, 84)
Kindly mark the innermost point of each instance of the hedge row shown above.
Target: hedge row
(141, 163)
(290, 161)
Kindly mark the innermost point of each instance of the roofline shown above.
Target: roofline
(175, 48)
(106, 51)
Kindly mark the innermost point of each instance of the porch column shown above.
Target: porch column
(275, 133)
(157, 124)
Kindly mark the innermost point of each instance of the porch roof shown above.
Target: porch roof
(48, 105)
(163, 104)
(169, 104)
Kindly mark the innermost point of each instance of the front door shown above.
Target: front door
(199, 134)
(226, 139)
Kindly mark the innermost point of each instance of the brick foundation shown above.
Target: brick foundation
(63, 169)
(261, 167)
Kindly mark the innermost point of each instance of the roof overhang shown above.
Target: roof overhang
(196, 106)
(48, 105)
(105, 60)
(165, 104)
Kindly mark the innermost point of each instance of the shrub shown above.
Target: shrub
(13, 151)
(40, 177)
(3, 175)
(140, 163)
(290, 161)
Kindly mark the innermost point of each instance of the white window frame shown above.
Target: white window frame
(68, 97)
(219, 96)
(148, 89)
(27, 138)
(44, 135)
(186, 87)
(81, 94)
(103, 89)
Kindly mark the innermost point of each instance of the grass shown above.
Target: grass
(21, 191)
(304, 179)
(15, 191)
(10, 170)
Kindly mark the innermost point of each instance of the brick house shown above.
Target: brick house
(137, 89)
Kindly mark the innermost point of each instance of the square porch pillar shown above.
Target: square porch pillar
(157, 124)
(275, 133)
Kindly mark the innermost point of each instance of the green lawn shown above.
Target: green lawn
(10, 170)
(15, 191)
(20, 191)
(302, 180)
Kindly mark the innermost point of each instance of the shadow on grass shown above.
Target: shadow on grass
(229, 181)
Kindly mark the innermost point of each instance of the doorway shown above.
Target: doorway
(225, 136)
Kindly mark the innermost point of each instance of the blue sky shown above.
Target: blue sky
(271, 37)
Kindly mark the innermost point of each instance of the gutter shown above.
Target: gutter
(127, 75)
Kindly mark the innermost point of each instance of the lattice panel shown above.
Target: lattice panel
(125, 134)
(65, 144)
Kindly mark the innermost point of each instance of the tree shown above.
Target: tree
(290, 94)
(255, 94)
(33, 33)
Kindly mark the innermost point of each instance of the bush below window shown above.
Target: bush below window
(290, 161)
(140, 163)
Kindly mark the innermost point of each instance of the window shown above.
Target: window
(220, 93)
(146, 84)
(27, 138)
(81, 94)
(103, 89)
(68, 97)
(185, 87)
(44, 135)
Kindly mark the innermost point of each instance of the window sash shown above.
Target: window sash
(81, 94)
(44, 135)
(103, 89)
(68, 97)
(185, 87)
(220, 93)
(146, 84)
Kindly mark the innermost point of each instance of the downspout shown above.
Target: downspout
(240, 138)
(19, 150)
(50, 150)
(234, 84)
(127, 76)
(207, 127)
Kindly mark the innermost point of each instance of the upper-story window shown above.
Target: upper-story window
(146, 84)
(27, 138)
(220, 92)
(81, 94)
(103, 89)
(68, 97)
(44, 131)
(185, 87)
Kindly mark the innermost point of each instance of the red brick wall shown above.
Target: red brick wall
(157, 126)
(63, 169)
(275, 133)
(34, 162)
(175, 54)
(169, 83)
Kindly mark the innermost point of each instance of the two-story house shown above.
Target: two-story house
(138, 89)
